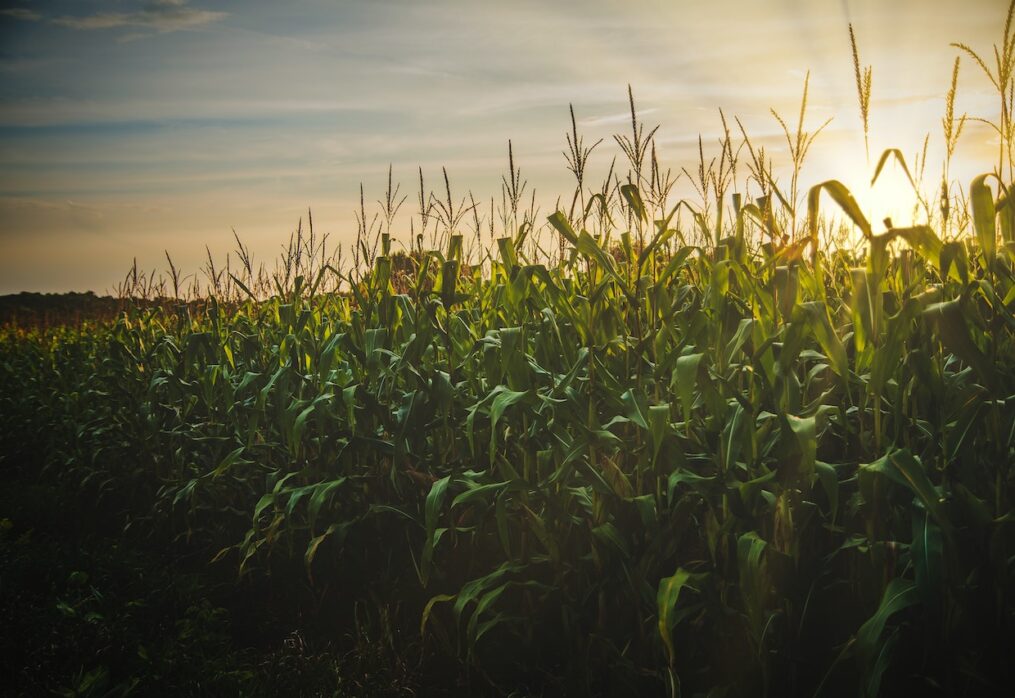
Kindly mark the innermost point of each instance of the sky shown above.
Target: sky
(133, 127)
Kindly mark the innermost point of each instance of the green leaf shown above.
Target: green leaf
(300, 424)
(786, 283)
(666, 603)
(477, 492)
(981, 201)
(740, 337)
(475, 630)
(434, 503)
(903, 468)
(864, 311)
(263, 503)
(900, 158)
(928, 557)
(382, 274)
(872, 681)
(754, 580)
(507, 253)
(315, 543)
(559, 221)
(750, 490)
(685, 378)
(675, 264)
(609, 533)
(950, 321)
(448, 282)
(899, 595)
(321, 493)
(647, 510)
(228, 462)
(472, 590)
(243, 287)
(840, 195)
(633, 198)
(814, 315)
(545, 537)
(608, 478)
(501, 516)
(504, 399)
(923, 239)
(659, 426)
(428, 609)
(731, 439)
(953, 262)
(349, 401)
(634, 408)
(830, 484)
(805, 431)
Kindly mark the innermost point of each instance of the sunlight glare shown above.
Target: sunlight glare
(891, 196)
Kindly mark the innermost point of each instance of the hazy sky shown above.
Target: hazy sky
(129, 127)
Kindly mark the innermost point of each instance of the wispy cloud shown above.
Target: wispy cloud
(156, 15)
(160, 15)
(617, 118)
(81, 113)
(21, 13)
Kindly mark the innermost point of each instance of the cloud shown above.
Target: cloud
(21, 13)
(157, 15)
(100, 21)
(69, 112)
(617, 118)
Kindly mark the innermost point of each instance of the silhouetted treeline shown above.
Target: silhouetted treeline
(49, 309)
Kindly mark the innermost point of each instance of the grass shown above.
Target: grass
(676, 448)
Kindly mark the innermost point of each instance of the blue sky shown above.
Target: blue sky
(128, 127)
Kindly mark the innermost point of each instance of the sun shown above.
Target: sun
(891, 200)
(892, 197)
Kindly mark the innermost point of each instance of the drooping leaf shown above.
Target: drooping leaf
(899, 595)
(814, 315)
(633, 198)
(903, 468)
(685, 378)
(950, 322)
(840, 195)
(981, 201)
(434, 503)
(559, 221)
(666, 603)
(928, 557)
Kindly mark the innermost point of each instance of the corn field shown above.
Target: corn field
(646, 448)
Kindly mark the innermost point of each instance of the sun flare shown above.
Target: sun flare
(892, 197)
